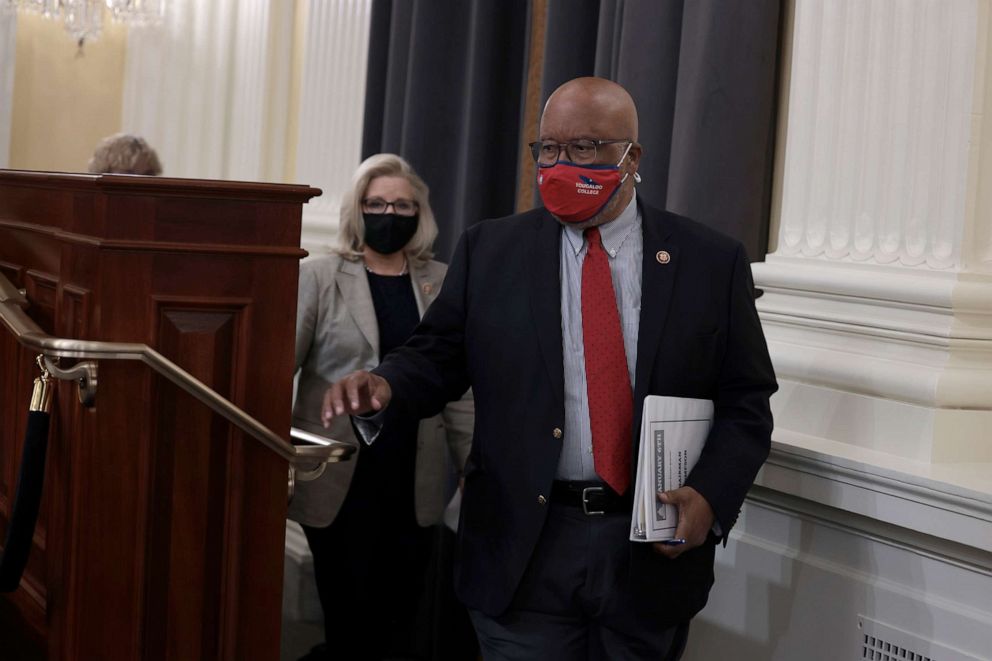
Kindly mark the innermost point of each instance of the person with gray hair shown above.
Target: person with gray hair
(123, 153)
(366, 520)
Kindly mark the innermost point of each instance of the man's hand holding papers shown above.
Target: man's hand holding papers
(674, 517)
(695, 520)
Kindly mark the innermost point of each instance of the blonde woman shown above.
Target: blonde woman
(366, 519)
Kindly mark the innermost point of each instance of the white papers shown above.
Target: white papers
(673, 432)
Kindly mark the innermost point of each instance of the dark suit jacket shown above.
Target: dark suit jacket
(496, 326)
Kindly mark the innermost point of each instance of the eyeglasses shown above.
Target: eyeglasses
(377, 205)
(582, 152)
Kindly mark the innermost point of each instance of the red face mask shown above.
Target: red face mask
(576, 193)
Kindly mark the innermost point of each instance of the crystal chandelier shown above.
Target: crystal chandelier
(83, 19)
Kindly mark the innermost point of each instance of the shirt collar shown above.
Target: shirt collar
(613, 233)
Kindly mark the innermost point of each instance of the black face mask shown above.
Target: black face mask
(387, 233)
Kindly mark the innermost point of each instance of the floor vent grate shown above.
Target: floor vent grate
(883, 642)
(877, 649)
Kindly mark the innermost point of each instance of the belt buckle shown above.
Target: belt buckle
(585, 501)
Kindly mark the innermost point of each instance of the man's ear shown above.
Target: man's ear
(634, 158)
(635, 153)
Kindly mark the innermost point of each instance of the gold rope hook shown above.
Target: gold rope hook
(41, 396)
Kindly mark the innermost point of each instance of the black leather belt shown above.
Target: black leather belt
(594, 498)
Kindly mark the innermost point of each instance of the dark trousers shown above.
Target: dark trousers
(444, 630)
(573, 603)
(369, 579)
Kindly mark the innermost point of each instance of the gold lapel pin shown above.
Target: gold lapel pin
(663, 257)
(427, 288)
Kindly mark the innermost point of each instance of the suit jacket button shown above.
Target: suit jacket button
(556, 432)
(541, 500)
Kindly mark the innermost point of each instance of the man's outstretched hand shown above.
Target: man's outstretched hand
(695, 520)
(356, 394)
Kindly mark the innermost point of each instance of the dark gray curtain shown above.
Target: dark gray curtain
(446, 83)
(444, 90)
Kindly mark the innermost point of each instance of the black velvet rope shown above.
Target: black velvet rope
(24, 515)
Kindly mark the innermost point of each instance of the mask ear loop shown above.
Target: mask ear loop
(620, 162)
(625, 152)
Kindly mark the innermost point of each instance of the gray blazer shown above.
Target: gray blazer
(337, 333)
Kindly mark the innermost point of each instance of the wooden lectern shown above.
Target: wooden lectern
(161, 530)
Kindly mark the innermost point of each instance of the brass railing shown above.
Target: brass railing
(307, 461)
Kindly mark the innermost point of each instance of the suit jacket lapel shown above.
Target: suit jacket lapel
(657, 282)
(354, 286)
(425, 285)
(545, 298)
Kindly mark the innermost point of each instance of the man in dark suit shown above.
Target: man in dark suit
(562, 319)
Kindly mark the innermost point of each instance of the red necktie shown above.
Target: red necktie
(607, 378)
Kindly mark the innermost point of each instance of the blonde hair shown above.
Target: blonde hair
(123, 153)
(351, 232)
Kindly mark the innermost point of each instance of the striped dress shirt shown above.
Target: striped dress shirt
(624, 244)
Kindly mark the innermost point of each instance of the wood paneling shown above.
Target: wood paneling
(162, 525)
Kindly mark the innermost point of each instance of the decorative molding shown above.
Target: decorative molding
(877, 157)
(914, 336)
(332, 103)
(867, 528)
(14, 272)
(130, 245)
(949, 502)
(880, 285)
(42, 292)
(75, 318)
(8, 44)
(899, 429)
(161, 186)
